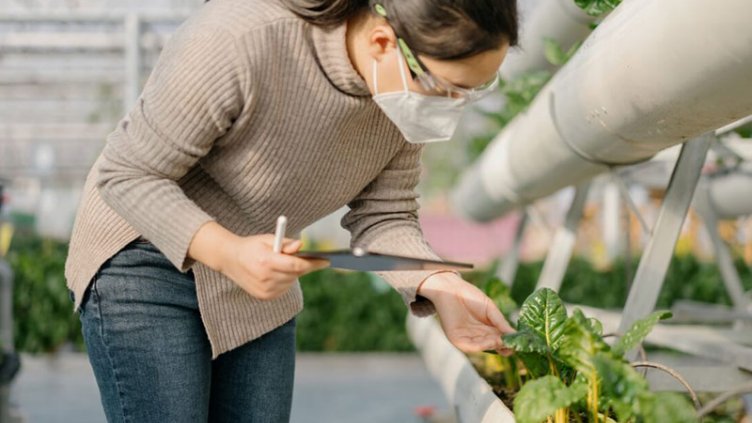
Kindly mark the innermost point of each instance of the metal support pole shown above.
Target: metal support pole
(726, 266)
(560, 253)
(132, 25)
(8, 360)
(655, 260)
(508, 269)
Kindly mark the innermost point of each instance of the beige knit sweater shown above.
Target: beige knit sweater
(250, 113)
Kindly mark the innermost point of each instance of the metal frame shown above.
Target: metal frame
(722, 346)
(729, 274)
(558, 257)
(133, 60)
(508, 269)
(126, 35)
(651, 272)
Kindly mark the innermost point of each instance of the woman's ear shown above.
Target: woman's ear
(381, 41)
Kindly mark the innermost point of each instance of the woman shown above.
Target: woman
(258, 108)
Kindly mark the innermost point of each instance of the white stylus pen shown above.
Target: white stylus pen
(279, 234)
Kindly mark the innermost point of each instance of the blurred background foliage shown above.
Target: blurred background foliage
(344, 311)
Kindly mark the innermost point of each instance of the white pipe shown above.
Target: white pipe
(729, 196)
(653, 74)
(559, 20)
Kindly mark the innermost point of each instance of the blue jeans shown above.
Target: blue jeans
(152, 358)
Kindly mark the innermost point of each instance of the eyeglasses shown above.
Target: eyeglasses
(433, 83)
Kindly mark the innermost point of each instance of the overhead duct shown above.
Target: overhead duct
(653, 74)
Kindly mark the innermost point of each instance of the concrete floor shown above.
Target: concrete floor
(364, 388)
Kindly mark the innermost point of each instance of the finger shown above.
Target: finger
(498, 320)
(486, 346)
(319, 263)
(478, 343)
(291, 247)
(505, 352)
(316, 265)
(268, 239)
(290, 264)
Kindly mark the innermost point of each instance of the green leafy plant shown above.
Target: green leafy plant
(555, 54)
(501, 294)
(350, 311)
(519, 93)
(597, 7)
(573, 372)
(344, 311)
(745, 131)
(508, 368)
(43, 313)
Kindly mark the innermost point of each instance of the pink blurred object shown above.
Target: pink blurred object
(425, 411)
(454, 238)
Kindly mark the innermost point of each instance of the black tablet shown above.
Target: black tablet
(359, 259)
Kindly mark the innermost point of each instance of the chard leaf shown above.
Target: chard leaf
(596, 325)
(621, 386)
(540, 398)
(536, 364)
(637, 333)
(581, 343)
(526, 341)
(666, 407)
(544, 313)
(532, 350)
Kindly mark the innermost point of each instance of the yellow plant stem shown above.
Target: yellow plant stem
(509, 372)
(519, 367)
(593, 396)
(562, 415)
(552, 366)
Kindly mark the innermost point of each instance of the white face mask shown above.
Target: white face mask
(420, 118)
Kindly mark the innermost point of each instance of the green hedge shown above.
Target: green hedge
(43, 313)
(351, 312)
(343, 311)
(687, 279)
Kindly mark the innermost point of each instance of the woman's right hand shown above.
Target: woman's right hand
(250, 261)
(255, 267)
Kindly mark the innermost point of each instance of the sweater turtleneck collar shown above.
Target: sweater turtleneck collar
(331, 50)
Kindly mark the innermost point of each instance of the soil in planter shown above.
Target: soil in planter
(493, 378)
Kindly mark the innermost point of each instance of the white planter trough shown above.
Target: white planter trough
(466, 391)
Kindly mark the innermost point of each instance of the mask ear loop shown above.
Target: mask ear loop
(375, 79)
(402, 74)
(402, 69)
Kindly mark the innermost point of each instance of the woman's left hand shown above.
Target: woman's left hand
(471, 321)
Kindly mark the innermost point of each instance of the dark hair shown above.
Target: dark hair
(442, 29)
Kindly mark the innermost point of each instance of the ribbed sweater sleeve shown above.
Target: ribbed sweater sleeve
(383, 218)
(190, 101)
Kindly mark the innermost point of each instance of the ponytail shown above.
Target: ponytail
(326, 12)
